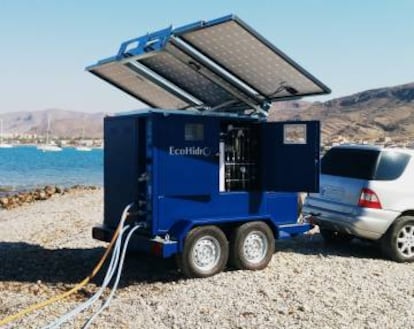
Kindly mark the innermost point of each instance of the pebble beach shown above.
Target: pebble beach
(46, 248)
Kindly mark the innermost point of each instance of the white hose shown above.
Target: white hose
(108, 276)
(118, 277)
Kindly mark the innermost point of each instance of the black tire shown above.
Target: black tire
(263, 235)
(214, 240)
(333, 237)
(398, 242)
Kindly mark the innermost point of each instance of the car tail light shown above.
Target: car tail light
(369, 199)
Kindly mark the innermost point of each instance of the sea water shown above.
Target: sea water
(26, 167)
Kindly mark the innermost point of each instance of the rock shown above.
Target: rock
(43, 195)
(50, 190)
(303, 308)
(282, 310)
(10, 203)
(4, 202)
(20, 198)
(36, 194)
(14, 200)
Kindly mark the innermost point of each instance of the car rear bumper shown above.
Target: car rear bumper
(361, 222)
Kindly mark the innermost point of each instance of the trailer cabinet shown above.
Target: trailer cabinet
(211, 179)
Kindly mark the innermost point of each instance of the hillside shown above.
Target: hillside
(369, 114)
(66, 124)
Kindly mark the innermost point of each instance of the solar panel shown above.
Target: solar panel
(221, 65)
(257, 63)
(173, 65)
(138, 86)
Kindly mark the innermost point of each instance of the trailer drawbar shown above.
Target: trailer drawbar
(209, 179)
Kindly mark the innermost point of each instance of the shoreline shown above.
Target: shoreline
(17, 198)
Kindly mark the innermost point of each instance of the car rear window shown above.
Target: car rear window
(391, 165)
(351, 163)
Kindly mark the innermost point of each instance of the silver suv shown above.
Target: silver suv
(366, 192)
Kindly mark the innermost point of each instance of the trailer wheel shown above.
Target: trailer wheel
(205, 253)
(252, 246)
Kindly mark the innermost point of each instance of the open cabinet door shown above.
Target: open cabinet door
(290, 156)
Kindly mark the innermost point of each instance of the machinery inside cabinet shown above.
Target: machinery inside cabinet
(213, 180)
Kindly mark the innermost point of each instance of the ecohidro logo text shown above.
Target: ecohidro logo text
(190, 150)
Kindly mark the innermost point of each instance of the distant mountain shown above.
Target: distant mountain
(369, 114)
(366, 115)
(65, 124)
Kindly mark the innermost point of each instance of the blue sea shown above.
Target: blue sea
(25, 167)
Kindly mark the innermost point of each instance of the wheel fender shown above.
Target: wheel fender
(180, 231)
(409, 212)
(273, 227)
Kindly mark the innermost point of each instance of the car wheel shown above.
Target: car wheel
(398, 242)
(205, 252)
(252, 246)
(333, 237)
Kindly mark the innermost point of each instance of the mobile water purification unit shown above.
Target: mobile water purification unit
(212, 181)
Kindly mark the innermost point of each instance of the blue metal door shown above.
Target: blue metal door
(121, 168)
(290, 156)
(187, 160)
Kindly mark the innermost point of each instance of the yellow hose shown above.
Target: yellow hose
(81, 284)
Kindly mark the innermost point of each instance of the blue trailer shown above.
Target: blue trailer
(213, 182)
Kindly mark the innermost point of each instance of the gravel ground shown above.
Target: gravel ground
(46, 248)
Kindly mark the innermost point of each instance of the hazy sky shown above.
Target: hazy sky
(45, 45)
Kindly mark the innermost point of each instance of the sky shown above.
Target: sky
(351, 45)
